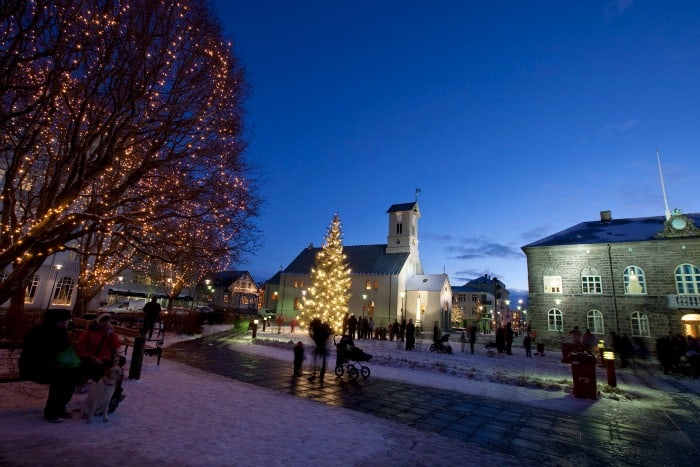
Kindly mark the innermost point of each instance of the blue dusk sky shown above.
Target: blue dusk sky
(516, 119)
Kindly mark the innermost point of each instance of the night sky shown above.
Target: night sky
(515, 120)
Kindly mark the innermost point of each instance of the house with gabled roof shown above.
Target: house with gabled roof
(388, 282)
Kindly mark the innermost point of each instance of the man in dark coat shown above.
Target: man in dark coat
(151, 315)
(40, 362)
(319, 332)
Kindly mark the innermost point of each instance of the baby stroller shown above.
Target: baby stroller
(441, 345)
(346, 354)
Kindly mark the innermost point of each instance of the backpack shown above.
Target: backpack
(35, 361)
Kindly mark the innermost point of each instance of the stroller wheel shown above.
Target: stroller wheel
(364, 371)
(339, 371)
(353, 373)
(433, 348)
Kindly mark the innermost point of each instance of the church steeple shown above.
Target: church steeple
(403, 228)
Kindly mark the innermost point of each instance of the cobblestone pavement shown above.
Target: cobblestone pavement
(647, 437)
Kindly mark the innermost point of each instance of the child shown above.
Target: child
(527, 343)
(298, 358)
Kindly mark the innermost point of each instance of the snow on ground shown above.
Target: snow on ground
(178, 415)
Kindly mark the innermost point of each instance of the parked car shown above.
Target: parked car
(203, 309)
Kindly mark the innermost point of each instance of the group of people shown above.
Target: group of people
(674, 351)
(50, 357)
(358, 328)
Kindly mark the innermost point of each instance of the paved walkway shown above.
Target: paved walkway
(649, 437)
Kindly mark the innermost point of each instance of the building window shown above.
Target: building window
(594, 322)
(635, 284)
(640, 324)
(554, 320)
(552, 284)
(298, 284)
(399, 228)
(31, 290)
(63, 292)
(3, 276)
(590, 281)
(297, 303)
(368, 285)
(687, 279)
(376, 285)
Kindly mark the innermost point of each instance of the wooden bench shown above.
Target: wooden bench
(153, 347)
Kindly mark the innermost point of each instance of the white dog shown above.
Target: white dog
(97, 402)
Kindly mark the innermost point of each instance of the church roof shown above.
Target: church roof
(362, 259)
(401, 207)
(427, 282)
(637, 229)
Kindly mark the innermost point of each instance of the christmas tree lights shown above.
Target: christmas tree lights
(328, 296)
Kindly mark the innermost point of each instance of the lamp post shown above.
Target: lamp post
(403, 304)
(52, 291)
(364, 304)
(120, 278)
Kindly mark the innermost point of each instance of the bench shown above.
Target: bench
(153, 347)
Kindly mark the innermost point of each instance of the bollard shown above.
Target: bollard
(137, 357)
(609, 358)
(255, 329)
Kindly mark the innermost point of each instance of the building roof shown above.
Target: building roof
(427, 282)
(401, 207)
(467, 289)
(226, 278)
(637, 229)
(362, 259)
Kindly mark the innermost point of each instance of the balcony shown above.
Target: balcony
(691, 302)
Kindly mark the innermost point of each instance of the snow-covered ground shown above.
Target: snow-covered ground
(178, 415)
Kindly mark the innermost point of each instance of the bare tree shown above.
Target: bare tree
(121, 122)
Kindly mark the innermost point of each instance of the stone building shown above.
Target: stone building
(638, 277)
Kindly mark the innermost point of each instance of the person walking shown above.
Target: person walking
(509, 338)
(472, 338)
(151, 315)
(319, 333)
(410, 335)
(527, 343)
(463, 340)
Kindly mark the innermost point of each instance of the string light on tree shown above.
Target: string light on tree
(328, 296)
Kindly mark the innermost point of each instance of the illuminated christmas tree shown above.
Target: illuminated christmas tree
(329, 293)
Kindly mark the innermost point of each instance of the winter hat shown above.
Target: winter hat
(102, 317)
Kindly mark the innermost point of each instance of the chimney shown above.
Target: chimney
(605, 216)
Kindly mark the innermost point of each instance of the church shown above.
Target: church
(388, 282)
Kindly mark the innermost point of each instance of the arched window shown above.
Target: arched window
(687, 279)
(63, 292)
(31, 290)
(635, 284)
(640, 324)
(297, 303)
(594, 322)
(554, 320)
(590, 281)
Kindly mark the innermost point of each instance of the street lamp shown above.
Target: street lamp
(403, 304)
(364, 304)
(120, 278)
(52, 291)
